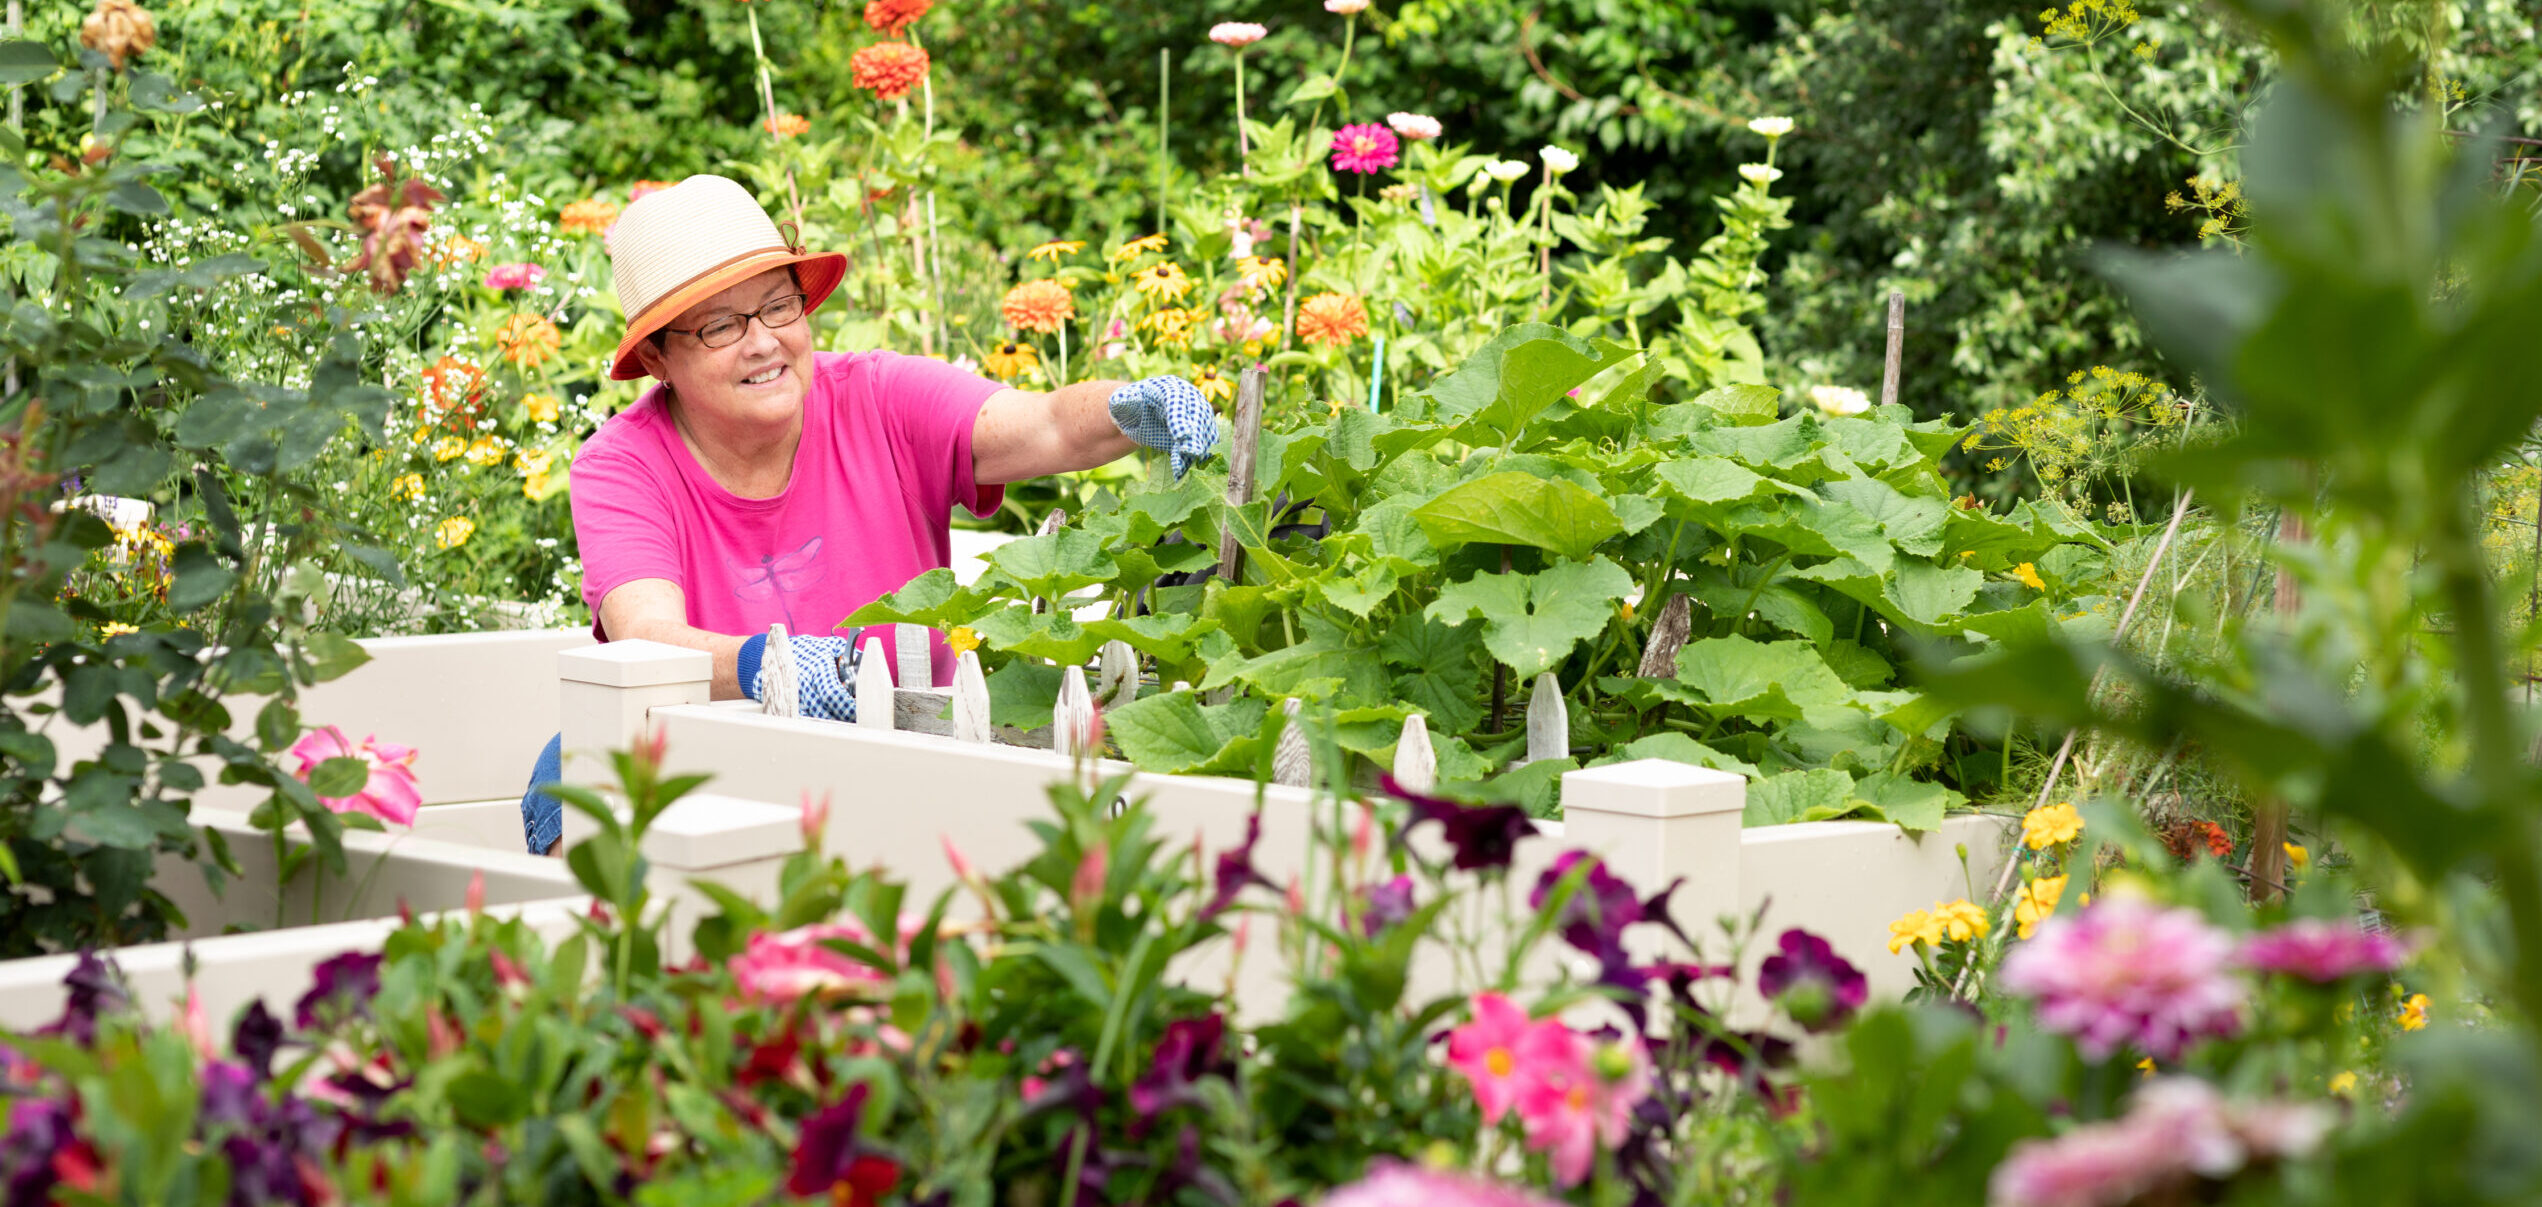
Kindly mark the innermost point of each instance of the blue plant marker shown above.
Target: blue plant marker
(1377, 378)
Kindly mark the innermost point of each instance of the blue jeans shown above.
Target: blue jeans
(543, 816)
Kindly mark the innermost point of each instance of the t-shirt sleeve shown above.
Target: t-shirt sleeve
(932, 407)
(622, 521)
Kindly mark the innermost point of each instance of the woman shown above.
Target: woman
(764, 483)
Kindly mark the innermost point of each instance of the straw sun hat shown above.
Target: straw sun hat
(679, 246)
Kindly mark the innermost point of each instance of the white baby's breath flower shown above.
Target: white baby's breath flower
(1839, 400)
(1505, 170)
(1760, 173)
(1771, 127)
(1560, 160)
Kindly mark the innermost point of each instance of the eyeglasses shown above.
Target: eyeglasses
(783, 311)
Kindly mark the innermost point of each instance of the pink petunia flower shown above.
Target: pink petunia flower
(1395, 1184)
(1486, 1051)
(1419, 127)
(514, 276)
(2322, 951)
(389, 794)
(2127, 971)
(1364, 148)
(784, 966)
(1236, 33)
(1577, 1100)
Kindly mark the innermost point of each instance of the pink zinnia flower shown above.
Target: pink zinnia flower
(2177, 1130)
(1576, 1100)
(1419, 127)
(2127, 971)
(1364, 148)
(785, 966)
(389, 794)
(1486, 1051)
(1394, 1184)
(513, 276)
(2322, 951)
(1236, 33)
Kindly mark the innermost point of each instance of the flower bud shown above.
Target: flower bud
(1613, 1062)
(476, 893)
(1808, 1002)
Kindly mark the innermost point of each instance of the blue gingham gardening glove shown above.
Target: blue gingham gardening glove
(824, 673)
(1169, 415)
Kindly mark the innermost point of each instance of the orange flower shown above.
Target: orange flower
(528, 340)
(1038, 305)
(889, 69)
(893, 16)
(1010, 360)
(637, 190)
(787, 125)
(453, 395)
(591, 217)
(457, 249)
(1331, 318)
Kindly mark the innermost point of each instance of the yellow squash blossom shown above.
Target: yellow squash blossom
(2297, 857)
(453, 532)
(2048, 825)
(962, 639)
(2029, 576)
(2038, 899)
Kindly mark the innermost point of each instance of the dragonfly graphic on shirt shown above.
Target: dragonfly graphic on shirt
(782, 575)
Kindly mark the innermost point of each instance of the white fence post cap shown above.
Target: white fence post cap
(708, 831)
(1660, 788)
(635, 663)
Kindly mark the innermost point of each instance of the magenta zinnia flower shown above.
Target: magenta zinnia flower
(513, 276)
(2177, 1131)
(1236, 33)
(1394, 1184)
(2322, 951)
(2127, 972)
(1364, 148)
(389, 794)
(1419, 127)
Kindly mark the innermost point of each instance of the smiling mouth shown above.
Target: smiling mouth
(764, 376)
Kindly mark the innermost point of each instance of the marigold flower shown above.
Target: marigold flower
(2036, 901)
(528, 340)
(1962, 920)
(534, 461)
(1038, 306)
(1164, 282)
(1262, 272)
(1214, 385)
(542, 408)
(2413, 1016)
(888, 69)
(787, 125)
(1138, 247)
(644, 188)
(453, 532)
(448, 447)
(893, 16)
(486, 451)
(1771, 127)
(1010, 360)
(452, 388)
(409, 486)
(119, 30)
(536, 487)
(1419, 127)
(2048, 825)
(2028, 574)
(1916, 926)
(1238, 34)
(591, 216)
(1364, 148)
(1331, 318)
(1056, 248)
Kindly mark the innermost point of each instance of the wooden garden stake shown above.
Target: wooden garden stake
(1548, 721)
(970, 699)
(1897, 348)
(873, 687)
(2268, 814)
(1668, 635)
(1416, 761)
(1500, 672)
(778, 694)
(1117, 674)
(1240, 463)
(1290, 760)
(1050, 524)
(1072, 718)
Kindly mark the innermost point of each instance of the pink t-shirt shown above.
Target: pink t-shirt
(886, 454)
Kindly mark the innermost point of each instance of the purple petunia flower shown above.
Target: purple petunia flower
(827, 1154)
(348, 983)
(1235, 871)
(1482, 835)
(1384, 905)
(256, 1038)
(1188, 1052)
(1817, 987)
(2322, 951)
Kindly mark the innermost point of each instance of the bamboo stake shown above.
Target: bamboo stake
(1897, 349)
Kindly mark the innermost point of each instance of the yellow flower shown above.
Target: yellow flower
(2029, 576)
(528, 340)
(2297, 857)
(486, 451)
(1138, 247)
(448, 447)
(1962, 919)
(1010, 360)
(1625, 610)
(2344, 1084)
(410, 486)
(537, 487)
(1916, 927)
(116, 628)
(2037, 900)
(453, 532)
(2048, 825)
(1164, 282)
(1056, 248)
(2146, 1066)
(1262, 272)
(1214, 385)
(962, 640)
(542, 408)
(1172, 325)
(2413, 1015)
(534, 462)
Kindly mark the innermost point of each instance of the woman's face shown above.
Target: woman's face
(758, 380)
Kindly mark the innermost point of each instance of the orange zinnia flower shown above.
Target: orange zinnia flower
(590, 217)
(1038, 306)
(640, 188)
(1331, 318)
(457, 249)
(889, 69)
(1010, 360)
(787, 125)
(528, 340)
(453, 395)
(893, 16)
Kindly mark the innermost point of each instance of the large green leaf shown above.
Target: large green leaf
(1743, 404)
(1520, 509)
(1677, 747)
(1783, 679)
(1439, 675)
(1055, 563)
(1516, 375)
(932, 599)
(1821, 794)
(1175, 732)
(1532, 621)
(1912, 803)
(1912, 523)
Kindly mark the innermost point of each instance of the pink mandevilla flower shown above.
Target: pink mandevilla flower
(1419, 127)
(2127, 971)
(1578, 1099)
(1394, 1184)
(514, 276)
(1236, 33)
(389, 794)
(784, 966)
(1364, 148)
(2321, 951)
(1486, 1051)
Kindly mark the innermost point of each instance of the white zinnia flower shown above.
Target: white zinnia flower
(1840, 400)
(1771, 127)
(1559, 160)
(1760, 173)
(1505, 170)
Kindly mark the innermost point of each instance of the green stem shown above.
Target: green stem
(1244, 144)
(1164, 129)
